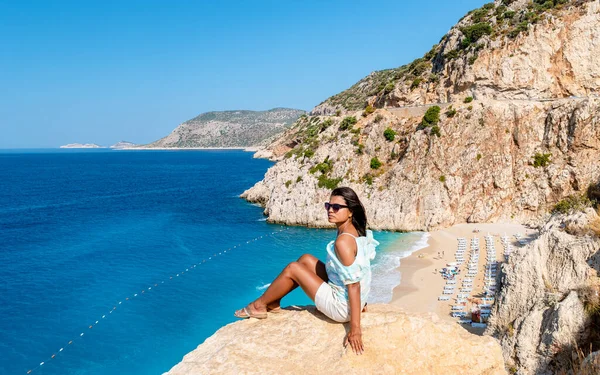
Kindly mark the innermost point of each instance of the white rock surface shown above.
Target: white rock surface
(305, 342)
(538, 312)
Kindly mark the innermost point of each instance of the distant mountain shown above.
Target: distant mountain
(82, 145)
(230, 129)
(123, 144)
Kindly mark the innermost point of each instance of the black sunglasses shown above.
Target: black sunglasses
(336, 207)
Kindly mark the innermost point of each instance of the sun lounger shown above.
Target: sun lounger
(464, 321)
(463, 295)
(448, 292)
(459, 314)
(455, 308)
(443, 298)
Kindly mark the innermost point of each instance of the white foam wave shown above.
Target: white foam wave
(264, 219)
(385, 272)
(263, 287)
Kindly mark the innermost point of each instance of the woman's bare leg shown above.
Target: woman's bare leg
(314, 265)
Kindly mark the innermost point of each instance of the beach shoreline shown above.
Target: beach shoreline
(421, 283)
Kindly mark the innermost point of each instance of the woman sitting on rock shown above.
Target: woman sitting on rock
(338, 287)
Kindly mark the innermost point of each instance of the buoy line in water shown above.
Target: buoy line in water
(149, 288)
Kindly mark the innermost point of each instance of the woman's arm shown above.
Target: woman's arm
(354, 337)
(345, 248)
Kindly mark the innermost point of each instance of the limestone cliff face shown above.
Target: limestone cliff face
(481, 168)
(477, 163)
(539, 314)
(305, 342)
(522, 50)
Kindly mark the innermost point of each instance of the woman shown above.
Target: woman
(338, 287)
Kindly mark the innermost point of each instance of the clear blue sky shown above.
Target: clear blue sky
(104, 71)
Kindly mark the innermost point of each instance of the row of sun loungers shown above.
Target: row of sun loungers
(470, 261)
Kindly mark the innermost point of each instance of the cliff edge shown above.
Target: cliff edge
(303, 341)
(547, 311)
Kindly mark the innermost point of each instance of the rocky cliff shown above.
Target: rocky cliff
(303, 341)
(546, 312)
(516, 130)
(517, 49)
(229, 129)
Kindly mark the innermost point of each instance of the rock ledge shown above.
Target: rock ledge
(303, 341)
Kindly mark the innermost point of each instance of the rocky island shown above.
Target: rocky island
(229, 129)
(123, 144)
(498, 123)
(82, 145)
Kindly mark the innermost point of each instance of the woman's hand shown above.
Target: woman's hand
(354, 338)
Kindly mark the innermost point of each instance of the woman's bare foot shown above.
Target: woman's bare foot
(273, 307)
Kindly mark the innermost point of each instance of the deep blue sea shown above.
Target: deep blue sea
(154, 250)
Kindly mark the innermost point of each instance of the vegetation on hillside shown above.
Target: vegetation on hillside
(491, 21)
(230, 128)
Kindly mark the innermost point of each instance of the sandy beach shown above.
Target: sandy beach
(421, 283)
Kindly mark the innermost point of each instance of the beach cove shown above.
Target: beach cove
(422, 283)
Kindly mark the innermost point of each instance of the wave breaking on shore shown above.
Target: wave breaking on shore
(385, 272)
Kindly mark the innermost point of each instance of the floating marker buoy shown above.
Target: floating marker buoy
(162, 282)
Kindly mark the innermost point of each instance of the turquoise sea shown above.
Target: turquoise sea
(128, 260)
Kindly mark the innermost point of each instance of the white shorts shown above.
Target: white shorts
(329, 305)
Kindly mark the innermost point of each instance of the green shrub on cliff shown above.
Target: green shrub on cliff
(541, 160)
(432, 116)
(328, 183)
(468, 99)
(572, 203)
(368, 110)
(360, 149)
(474, 32)
(375, 163)
(389, 134)
(325, 167)
(348, 122)
(415, 83)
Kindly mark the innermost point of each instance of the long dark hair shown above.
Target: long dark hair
(359, 218)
